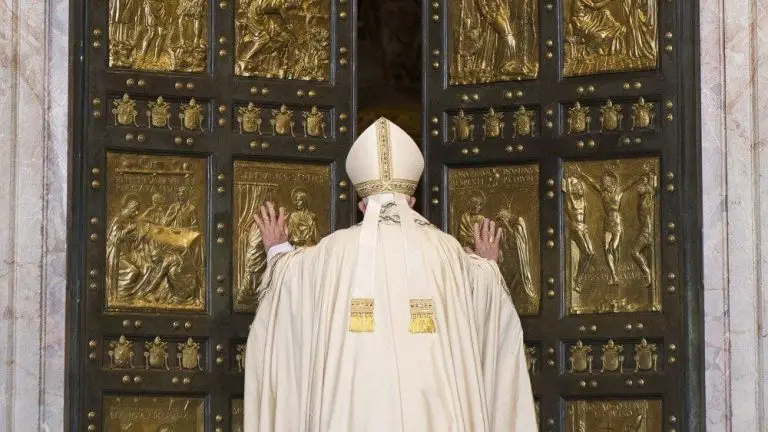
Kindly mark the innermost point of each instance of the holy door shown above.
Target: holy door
(189, 115)
(571, 123)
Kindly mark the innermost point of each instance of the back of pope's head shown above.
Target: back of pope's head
(384, 160)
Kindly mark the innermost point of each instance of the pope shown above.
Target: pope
(389, 325)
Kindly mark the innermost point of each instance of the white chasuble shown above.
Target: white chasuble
(306, 371)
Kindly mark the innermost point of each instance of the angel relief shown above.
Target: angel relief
(286, 39)
(505, 197)
(154, 241)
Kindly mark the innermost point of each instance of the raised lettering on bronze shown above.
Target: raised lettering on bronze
(509, 196)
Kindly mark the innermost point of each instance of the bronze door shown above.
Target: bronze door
(572, 124)
(190, 114)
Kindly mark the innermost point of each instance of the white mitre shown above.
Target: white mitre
(385, 165)
(384, 159)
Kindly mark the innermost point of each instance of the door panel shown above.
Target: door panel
(565, 122)
(191, 114)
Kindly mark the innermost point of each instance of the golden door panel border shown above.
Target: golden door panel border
(603, 36)
(509, 195)
(492, 41)
(304, 190)
(159, 35)
(142, 413)
(284, 39)
(237, 415)
(612, 242)
(638, 415)
(155, 241)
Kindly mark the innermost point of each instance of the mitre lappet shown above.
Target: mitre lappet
(385, 166)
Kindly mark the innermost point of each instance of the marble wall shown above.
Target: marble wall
(33, 177)
(33, 201)
(734, 117)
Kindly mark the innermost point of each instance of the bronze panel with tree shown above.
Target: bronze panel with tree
(509, 196)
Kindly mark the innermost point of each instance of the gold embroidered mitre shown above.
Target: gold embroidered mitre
(384, 159)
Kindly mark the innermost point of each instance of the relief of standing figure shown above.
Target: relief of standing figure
(646, 206)
(611, 193)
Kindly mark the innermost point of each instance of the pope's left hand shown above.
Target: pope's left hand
(272, 225)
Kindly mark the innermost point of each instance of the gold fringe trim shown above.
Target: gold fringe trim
(422, 316)
(361, 315)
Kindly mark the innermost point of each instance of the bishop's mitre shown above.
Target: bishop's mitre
(384, 159)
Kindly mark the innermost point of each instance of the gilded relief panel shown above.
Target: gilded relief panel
(154, 414)
(285, 39)
(642, 415)
(158, 35)
(302, 189)
(509, 196)
(603, 36)
(155, 241)
(493, 41)
(612, 251)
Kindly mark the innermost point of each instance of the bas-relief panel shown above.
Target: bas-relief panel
(509, 196)
(287, 39)
(155, 241)
(493, 41)
(302, 189)
(602, 36)
(643, 415)
(611, 216)
(158, 35)
(128, 413)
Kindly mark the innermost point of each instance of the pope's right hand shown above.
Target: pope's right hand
(487, 240)
(272, 225)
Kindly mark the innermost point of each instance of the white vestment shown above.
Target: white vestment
(305, 371)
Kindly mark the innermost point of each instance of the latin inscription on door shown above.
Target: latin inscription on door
(614, 415)
(129, 413)
(509, 196)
